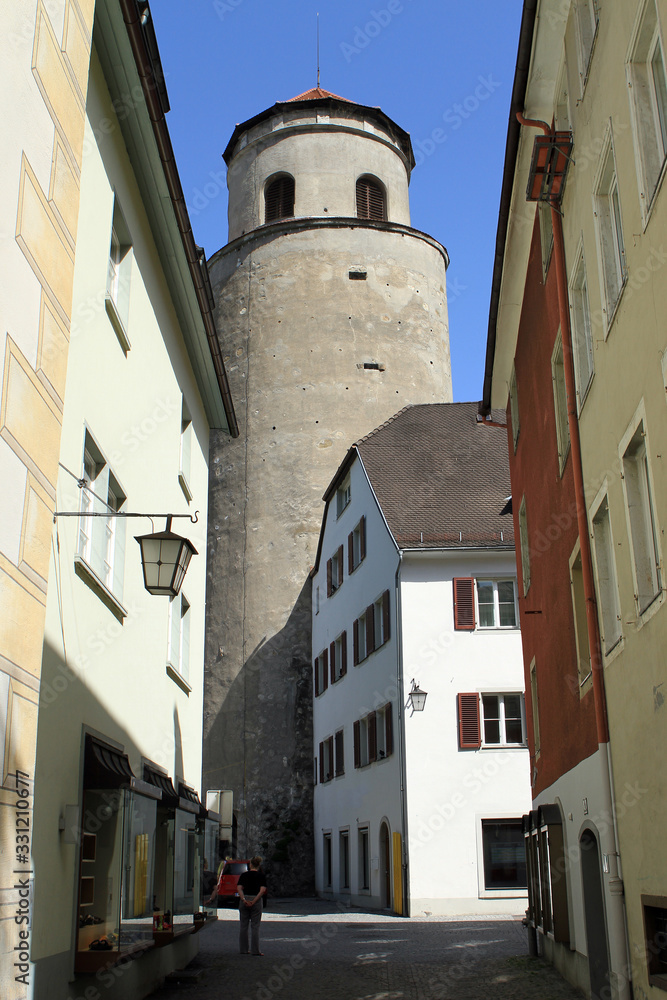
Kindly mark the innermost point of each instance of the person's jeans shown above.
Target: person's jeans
(250, 915)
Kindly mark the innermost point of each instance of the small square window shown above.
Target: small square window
(343, 496)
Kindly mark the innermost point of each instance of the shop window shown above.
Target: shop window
(504, 854)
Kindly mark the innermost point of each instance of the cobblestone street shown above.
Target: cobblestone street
(315, 952)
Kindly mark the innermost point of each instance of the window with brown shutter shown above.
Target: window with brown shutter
(362, 538)
(464, 603)
(370, 629)
(357, 743)
(350, 553)
(343, 654)
(279, 199)
(325, 669)
(470, 737)
(372, 737)
(340, 565)
(388, 730)
(340, 756)
(386, 631)
(316, 676)
(355, 642)
(322, 763)
(329, 578)
(370, 200)
(332, 661)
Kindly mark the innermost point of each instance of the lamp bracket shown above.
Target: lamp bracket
(120, 513)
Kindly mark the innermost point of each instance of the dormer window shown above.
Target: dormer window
(279, 198)
(371, 200)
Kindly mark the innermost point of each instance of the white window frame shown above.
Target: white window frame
(185, 452)
(364, 756)
(648, 107)
(356, 547)
(586, 22)
(378, 622)
(337, 665)
(560, 402)
(582, 331)
(322, 673)
(381, 730)
(119, 275)
(609, 229)
(496, 604)
(178, 652)
(101, 540)
(336, 571)
(604, 563)
(562, 112)
(643, 528)
(362, 645)
(343, 496)
(501, 710)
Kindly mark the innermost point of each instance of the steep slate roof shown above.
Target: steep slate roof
(440, 477)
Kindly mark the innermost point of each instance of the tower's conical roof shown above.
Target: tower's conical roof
(317, 94)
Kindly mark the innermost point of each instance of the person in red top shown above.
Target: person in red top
(251, 888)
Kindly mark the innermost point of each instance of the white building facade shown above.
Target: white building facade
(419, 811)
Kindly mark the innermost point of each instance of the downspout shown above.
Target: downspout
(400, 707)
(592, 625)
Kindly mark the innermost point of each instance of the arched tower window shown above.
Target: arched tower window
(279, 198)
(371, 202)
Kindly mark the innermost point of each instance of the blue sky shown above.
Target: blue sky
(442, 70)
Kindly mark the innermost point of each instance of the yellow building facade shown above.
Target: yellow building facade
(45, 58)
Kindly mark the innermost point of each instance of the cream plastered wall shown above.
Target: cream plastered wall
(44, 58)
(107, 670)
(628, 385)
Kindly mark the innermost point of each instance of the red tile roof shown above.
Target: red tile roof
(440, 477)
(317, 94)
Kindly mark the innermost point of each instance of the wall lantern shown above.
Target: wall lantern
(416, 698)
(165, 557)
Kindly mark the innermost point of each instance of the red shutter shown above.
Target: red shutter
(343, 654)
(317, 680)
(340, 753)
(464, 603)
(357, 743)
(370, 629)
(372, 737)
(329, 577)
(350, 553)
(340, 565)
(355, 642)
(388, 730)
(386, 624)
(321, 763)
(325, 669)
(470, 737)
(332, 661)
(362, 538)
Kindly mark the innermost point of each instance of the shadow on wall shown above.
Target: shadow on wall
(260, 745)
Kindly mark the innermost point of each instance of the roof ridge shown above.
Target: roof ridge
(380, 427)
(316, 94)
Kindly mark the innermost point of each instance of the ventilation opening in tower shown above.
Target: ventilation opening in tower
(370, 200)
(279, 199)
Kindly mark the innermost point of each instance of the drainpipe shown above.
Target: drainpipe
(400, 710)
(592, 624)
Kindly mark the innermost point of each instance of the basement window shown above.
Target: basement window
(357, 275)
(371, 366)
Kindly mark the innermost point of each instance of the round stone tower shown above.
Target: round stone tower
(332, 313)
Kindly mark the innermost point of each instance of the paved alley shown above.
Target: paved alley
(316, 952)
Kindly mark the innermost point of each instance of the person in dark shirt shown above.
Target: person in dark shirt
(251, 888)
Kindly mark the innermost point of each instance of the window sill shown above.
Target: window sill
(521, 892)
(117, 323)
(504, 746)
(652, 608)
(92, 580)
(583, 396)
(615, 308)
(654, 197)
(659, 982)
(494, 629)
(183, 483)
(178, 678)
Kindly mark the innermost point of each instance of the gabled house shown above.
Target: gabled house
(415, 587)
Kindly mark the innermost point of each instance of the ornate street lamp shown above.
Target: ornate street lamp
(416, 698)
(165, 557)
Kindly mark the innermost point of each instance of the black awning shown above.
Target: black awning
(550, 815)
(105, 766)
(191, 796)
(163, 782)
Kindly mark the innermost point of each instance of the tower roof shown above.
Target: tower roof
(316, 94)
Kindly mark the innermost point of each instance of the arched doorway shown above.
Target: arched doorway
(594, 914)
(385, 867)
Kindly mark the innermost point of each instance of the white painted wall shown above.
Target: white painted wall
(449, 790)
(363, 796)
(100, 673)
